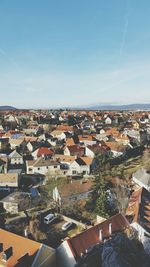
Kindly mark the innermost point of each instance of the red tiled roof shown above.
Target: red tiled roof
(139, 208)
(65, 128)
(134, 203)
(90, 237)
(44, 151)
(76, 149)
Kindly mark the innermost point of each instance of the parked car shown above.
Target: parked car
(66, 226)
(49, 218)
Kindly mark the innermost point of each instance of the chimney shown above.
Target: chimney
(110, 228)
(100, 235)
(7, 253)
(1, 247)
(25, 232)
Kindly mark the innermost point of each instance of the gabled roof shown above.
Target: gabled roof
(40, 162)
(44, 151)
(76, 149)
(16, 142)
(90, 237)
(20, 247)
(87, 160)
(8, 178)
(74, 188)
(142, 176)
(14, 154)
(70, 142)
(20, 198)
(115, 146)
(64, 158)
(80, 162)
(30, 162)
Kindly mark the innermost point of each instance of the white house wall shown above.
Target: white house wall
(66, 151)
(16, 160)
(43, 170)
(89, 153)
(65, 256)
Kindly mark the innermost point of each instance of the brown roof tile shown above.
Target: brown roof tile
(90, 237)
(20, 246)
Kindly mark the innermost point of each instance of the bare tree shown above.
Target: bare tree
(34, 228)
(120, 196)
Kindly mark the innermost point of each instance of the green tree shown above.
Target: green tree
(98, 201)
(100, 196)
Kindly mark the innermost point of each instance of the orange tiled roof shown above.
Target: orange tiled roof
(115, 146)
(85, 138)
(70, 142)
(87, 160)
(20, 246)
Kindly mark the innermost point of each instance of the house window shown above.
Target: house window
(74, 172)
(30, 169)
(55, 167)
(38, 169)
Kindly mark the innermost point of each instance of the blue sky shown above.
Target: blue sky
(70, 53)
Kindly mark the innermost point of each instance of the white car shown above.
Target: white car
(66, 226)
(49, 218)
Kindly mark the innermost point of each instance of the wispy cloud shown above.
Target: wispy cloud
(125, 30)
(127, 84)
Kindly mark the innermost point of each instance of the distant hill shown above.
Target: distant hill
(120, 107)
(7, 108)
